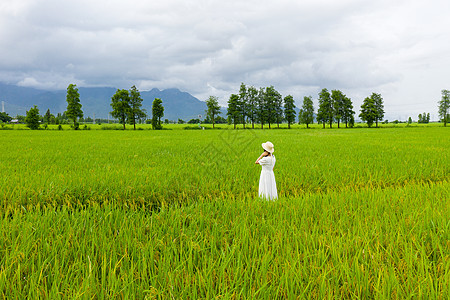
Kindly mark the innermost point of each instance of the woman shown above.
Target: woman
(267, 184)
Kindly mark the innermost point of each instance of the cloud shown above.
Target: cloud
(210, 47)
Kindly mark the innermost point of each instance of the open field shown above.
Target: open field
(174, 213)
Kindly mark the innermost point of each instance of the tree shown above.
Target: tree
(233, 110)
(180, 121)
(47, 116)
(136, 112)
(409, 120)
(243, 103)
(325, 111)
(32, 118)
(73, 104)
(278, 108)
(306, 114)
(120, 104)
(444, 107)
(289, 110)
(261, 113)
(271, 98)
(368, 111)
(348, 112)
(213, 108)
(338, 105)
(252, 94)
(157, 113)
(378, 102)
(4, 117)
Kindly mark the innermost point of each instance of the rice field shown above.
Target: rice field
(174, 214)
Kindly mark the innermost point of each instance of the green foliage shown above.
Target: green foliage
(325, 111)
(73, 111)
(306, 114)
(242, 105)
(369, 111)
(378, 102)
(180, 121)
(444, 107)
(289, 110)
(157, 113)
(136, 111)
(213, 108)
(338, 105)
(4, 117)
(233, 112)
(424, 118)
(272, 105)
(252, 94)
(261, 113)
(121, 105)
(32, 118)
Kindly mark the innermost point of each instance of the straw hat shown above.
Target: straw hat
(268, 146)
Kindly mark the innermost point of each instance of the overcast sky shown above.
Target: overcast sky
(400, 49)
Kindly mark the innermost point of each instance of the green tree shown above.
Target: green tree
(348, 113)
(4, 117)
(289, 110)
(325, 111)
(243, 103)
(73, 111)
(420, 118)
(47, 116)
(444, 107)
(306, 114)
(261, 113)
(378, 101)
(233, 110)
(338, 105)
(252, 94)
(136, 111)
(409, 120)
(213, 108)
(120, 103)
(271, 105)
(369, 111)
(32, 118)
(278, 108)
(157, 113)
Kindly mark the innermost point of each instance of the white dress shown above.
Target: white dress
(267, 184)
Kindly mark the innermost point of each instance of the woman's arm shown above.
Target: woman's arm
(261, 156)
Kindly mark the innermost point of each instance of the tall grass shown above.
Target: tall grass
(174, 214)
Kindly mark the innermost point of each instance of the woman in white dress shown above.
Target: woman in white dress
(267, 184)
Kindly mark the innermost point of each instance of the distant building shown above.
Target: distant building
(14, 121)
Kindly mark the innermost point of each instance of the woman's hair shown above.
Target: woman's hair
(267, 151)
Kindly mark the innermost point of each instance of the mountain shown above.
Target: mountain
(177, 104)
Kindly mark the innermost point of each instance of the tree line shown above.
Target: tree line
(266, 106)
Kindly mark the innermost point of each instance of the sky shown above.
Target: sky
(400, 49)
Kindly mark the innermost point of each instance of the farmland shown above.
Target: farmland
(174, 214)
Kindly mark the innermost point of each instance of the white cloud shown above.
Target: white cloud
(398, 48)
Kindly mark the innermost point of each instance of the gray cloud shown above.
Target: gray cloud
(400, 49)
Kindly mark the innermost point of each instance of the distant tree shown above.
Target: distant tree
(261, 114)
(420, 118)
(213, 108)
(338, 105)
(157, 113)
(279, 108)
(180, 121)
(348, 113)
(289, 110)
(4, 117)
(444, 107)
(136, 111)
(121, 106)
(369, 111)
(409, 120)
(194, 121)
(73, 104)
(271, 97)
(47, 116)
(306, 114)
(325, 111)
(32, 118)
(252, 94)
(378, 102)
(233, 112)
(243, 103)
(428, 117)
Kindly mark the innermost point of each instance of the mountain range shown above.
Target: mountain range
(96, 100)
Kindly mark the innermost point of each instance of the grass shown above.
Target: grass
(174, 214)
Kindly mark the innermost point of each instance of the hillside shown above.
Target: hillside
(177, 104)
